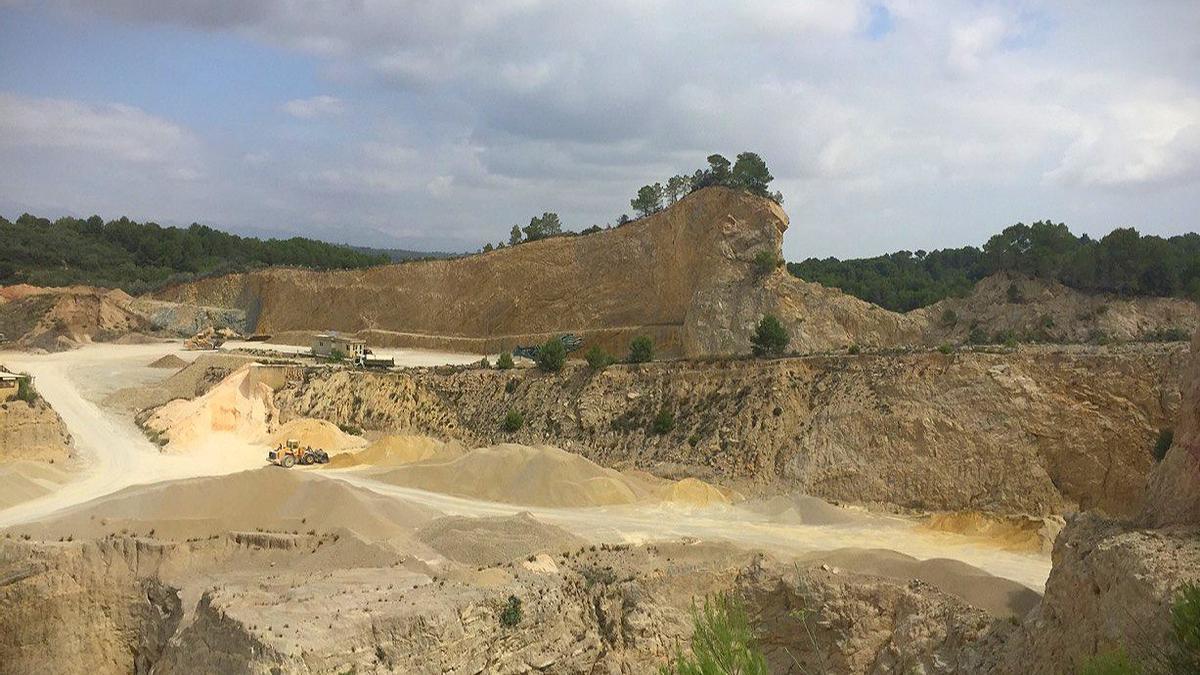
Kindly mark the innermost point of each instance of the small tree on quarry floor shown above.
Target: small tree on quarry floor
(770, 337)
(552, 356)
(641, 350)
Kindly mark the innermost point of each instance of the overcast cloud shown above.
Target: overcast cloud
(438, 125)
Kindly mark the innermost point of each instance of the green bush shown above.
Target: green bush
(977, 336)
(513, 421)
(510, 386)
(946, 348)
(25, 391)
(511, 615)
(641, 350)
(766, 261)
(552, 356)
(723, 642)
(1184, 654)
(1167, 335)
(949, 318)
(770, 337)
(337, 355)
(1115, 662)
(597, 358)
(664, 422)
(1165, 438)
(504, 362)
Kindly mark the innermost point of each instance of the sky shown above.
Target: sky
(888, 124)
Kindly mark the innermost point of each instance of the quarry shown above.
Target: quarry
(886, 496)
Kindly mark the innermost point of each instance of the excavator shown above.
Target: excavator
(289, 453)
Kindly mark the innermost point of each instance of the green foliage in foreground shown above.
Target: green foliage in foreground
(25, 391)
(505, 362)
(722, 642)
(1122, 262)
(142, 256)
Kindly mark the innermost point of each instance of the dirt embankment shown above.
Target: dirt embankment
(57, 319)
(1038, 431)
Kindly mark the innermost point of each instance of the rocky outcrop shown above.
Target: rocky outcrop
(32, 431)
(56, 319)
(1037, 431)
(685, 276)
(1174, 490)
(1047, 311)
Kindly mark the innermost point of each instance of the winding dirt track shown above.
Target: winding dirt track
(117, 455)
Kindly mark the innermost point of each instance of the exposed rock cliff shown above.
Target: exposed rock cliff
(685, 276)
(1037, 431)
(32, 432)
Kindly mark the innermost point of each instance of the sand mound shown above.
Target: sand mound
(694, 492)
(998, 596)
(399, 450)
(169, 361)
(1018, 533)
(317, 434)
(519, 474)
(22, 480)
(270, 498)
(489, 541)
(237, 407)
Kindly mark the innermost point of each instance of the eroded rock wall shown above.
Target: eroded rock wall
(1038, 431)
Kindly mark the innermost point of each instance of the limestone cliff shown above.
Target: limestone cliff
(1038, 431)
(685, 276)
(1174, 490)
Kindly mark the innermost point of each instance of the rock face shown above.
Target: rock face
(1038, 431)
(685, 276)
(56, 319)
(32, 432)
(1175, 484)
(266, 603)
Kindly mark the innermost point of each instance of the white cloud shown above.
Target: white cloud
(113, 130)
(317, 106)
(972, 43)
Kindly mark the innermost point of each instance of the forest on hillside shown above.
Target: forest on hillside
(1123, 262)
(139, 257)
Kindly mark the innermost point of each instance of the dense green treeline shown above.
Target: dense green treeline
(142, 256)
(1123, 262)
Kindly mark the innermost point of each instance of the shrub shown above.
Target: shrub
(510, 386)
(977, 336)
(641, 350)
(1115, 662)
(1184, 653)
(770, 337)
(854, 350)
(504, 362)
(1014, 294)
(597, 358)
(552, 356)
(722, 642)
(513, 421)
(350, 429)
(511, 615)
(337, 355)
(1165, 438)
(1167, 335)
(766, 261)
(25, 391)
(664, 422)
(949, 318)
(946, 348)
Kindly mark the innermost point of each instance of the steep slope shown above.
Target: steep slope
(1039, 431)
(685, 276)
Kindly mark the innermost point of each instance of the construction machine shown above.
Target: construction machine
(289, 453)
